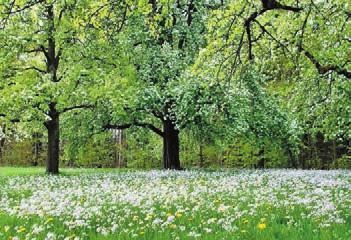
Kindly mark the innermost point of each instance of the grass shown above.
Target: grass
(241, 202)
(8, 171)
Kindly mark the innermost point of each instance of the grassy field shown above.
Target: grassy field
(34, 171)
(123, 204)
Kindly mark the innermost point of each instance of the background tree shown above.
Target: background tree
(302, 47)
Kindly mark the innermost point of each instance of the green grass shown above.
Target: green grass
(275, 219)
(35, 171)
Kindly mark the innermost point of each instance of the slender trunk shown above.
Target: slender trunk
(2, 144)
(2, 141)
(170, 146)
(118, 142)
(53, 127)
(201, 154)
(37, 147)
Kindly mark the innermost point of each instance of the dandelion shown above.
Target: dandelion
(261, 226)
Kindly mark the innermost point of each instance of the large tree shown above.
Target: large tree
(48, 52)
(166, 37)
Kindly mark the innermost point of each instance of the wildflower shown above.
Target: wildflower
(21, 229)
(50, 219)
(178, 214)
(170, 219)
(261, 226)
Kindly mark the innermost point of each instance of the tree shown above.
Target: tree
(47, 50)
(304, 44)
(166, 39)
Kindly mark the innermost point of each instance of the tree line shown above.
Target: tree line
(270, 75)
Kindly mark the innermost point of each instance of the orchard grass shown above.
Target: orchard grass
(123, 204)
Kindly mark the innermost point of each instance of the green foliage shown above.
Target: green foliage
(243, 81)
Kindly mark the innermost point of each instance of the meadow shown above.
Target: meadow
(160, 204)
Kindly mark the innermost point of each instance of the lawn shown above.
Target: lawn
(231, 204)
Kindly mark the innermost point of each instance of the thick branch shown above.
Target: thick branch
(323, 69)
(273, 4)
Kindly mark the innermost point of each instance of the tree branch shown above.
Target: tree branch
(267, 6)
(15, 120)
(323, 69)
(18, 10)
(83, 106)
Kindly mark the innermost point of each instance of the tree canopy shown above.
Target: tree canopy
(273, 74)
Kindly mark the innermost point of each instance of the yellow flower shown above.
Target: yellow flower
(261, 226)
(82, 200)
(21, 229)
(178, 214)
(50, 219)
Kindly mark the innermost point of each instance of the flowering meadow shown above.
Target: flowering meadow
(231, 204)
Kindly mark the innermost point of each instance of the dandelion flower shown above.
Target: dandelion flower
(261, 226)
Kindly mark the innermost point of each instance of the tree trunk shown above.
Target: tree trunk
(37, 148)
(53, 127)
(118, 142)
(201, 154)
(170, 146)
(2, 142)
